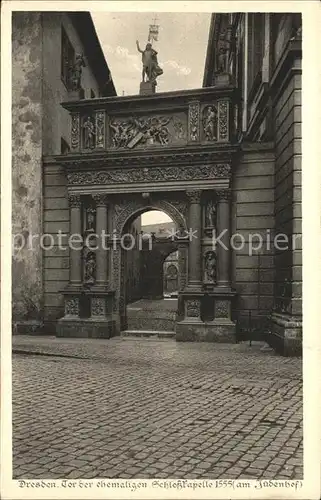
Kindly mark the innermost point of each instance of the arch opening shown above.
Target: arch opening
(146, 274)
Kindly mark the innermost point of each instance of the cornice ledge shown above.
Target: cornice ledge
(104, 161)
(142, 102)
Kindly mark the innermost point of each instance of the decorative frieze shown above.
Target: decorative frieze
(194, 121)
(100, 129)
(223, 121)
(75, 132)
(154, 174)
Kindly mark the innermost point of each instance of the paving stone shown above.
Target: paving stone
(161, 409)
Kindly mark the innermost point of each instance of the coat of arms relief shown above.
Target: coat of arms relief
(148, 131)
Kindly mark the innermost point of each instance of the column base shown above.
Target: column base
(286, 335)
(223, 331)
(85, 328)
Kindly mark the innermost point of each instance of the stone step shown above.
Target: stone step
(148, 322)
(160, 334)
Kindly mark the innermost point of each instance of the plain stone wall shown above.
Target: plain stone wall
(27, 111)
(288, 214)
(56, 260)
(253, 212)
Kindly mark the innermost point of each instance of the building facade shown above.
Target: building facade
(44, 48)
(263, 54)
(225, 158)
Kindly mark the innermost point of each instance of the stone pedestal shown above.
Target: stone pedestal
(99, 322)
(222, 328)
(222, 79)
(74, 95)
(285, 335)
(191, 328)
(147, 88)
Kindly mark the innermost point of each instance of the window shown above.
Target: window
(67, 58)
(92, 94)
(256, 48)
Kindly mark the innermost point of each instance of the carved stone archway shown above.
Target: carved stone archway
(123, 214)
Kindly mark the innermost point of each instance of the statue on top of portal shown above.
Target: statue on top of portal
(150, 63)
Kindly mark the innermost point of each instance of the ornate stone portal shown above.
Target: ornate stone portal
(173, 155)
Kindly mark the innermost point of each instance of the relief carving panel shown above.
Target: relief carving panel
(193, 308)
(147, 131)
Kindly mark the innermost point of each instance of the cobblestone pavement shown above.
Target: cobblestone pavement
(149, 408)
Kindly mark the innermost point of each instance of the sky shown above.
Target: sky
(181, 47)
(181, 51)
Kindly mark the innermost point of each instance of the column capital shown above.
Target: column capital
(194, 195)
(223, 194)
(100, 199)
(74, 200)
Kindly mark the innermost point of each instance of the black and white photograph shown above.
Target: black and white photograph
(156, 250)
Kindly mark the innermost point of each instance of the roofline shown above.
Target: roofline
(86, 30)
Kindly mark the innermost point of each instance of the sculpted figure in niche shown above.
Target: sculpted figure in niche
(90, 222)
(76, 71)
(150, 63)
(89, 133)
(210, 123)
(210, 214)
(210, 267)
(90, 268)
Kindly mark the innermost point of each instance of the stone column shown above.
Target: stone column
(75, 229)
(101, 230)
(223, 224)
(195, 244)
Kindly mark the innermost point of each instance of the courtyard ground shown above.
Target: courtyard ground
(142, 408)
